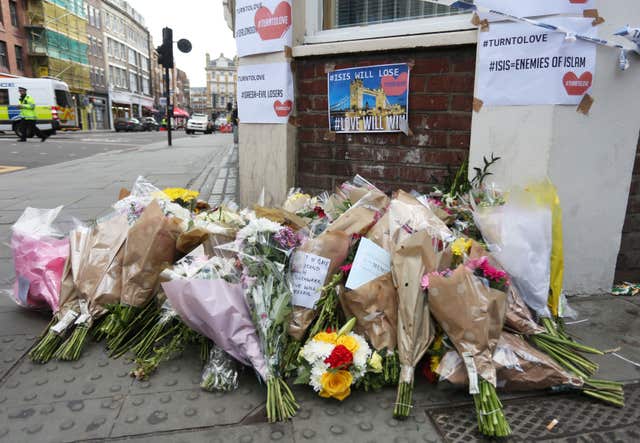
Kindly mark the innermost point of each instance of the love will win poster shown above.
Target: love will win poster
(263, 26)
(369, 98)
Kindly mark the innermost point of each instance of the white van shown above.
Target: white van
(54, 105)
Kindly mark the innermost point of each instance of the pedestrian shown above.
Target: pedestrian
(28, 113)
(234, 122)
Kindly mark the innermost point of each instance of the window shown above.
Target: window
(4, 59)
(98, 19)
(19, 61)
(350, 20)
(364, 12)
(63, 98)
(132, 56)
(13, 11)
(4, 96)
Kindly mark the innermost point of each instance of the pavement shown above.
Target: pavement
(95, 399)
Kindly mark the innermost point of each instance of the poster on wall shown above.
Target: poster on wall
(265, 93)
(369, 99)
(533, 8)
(262, 26)
(519, 64)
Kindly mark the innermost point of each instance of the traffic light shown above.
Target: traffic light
(165, 52)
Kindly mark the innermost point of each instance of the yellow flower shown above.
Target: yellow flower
(299, 195)
(375, 363)
(327, 337)
(435, 363)
(348, 342)
(461, 246)
(185, 195)
(336, 384)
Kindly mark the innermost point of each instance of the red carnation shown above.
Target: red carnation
(319, 212)
(340, 357)
(428, 373)
(346, 268)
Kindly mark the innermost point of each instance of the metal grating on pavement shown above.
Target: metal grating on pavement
(577, 415)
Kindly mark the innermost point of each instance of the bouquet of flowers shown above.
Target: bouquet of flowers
(264, 248)
(150, 247)
(39, 256)
(471, 311)
(99, 280)
(332, 362)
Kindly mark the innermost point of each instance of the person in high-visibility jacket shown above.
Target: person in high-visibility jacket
(28, 113)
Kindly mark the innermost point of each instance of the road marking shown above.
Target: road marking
(15, 152)
(4, 169)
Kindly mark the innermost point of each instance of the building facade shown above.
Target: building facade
(199, 102)
(127, 55)
(97, 115)
(58, 41)
(180, 88)
(221, 82)
(13, 38)
(589, 158)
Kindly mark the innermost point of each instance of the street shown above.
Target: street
(65, 146)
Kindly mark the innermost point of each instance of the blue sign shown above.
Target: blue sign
(369, 99)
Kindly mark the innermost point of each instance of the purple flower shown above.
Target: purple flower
(287, 238)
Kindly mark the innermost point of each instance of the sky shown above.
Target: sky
(200, 21)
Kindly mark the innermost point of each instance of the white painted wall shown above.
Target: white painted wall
(589, 158)
(266, 152)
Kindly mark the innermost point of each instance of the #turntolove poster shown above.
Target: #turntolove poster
(369, 99)
(262, 26)
(265, 93)
(520, 64)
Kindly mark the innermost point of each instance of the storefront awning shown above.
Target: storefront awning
(151, 109)
(177, 112)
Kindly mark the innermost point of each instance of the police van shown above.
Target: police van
(54, 105)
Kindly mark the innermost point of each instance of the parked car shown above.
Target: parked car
(128, 124)
(150, 124)
(199, 123)
(220, 122)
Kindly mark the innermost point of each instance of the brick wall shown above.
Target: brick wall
(628, 267)
(440, 100)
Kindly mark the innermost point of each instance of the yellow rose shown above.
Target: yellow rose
(336, 384)
(375, 363)
(327, 337)
(348, 342)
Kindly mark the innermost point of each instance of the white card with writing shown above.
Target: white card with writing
(308, 274)
(371, 261)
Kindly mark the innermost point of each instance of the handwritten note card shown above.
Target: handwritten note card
(308, 273)
(371, 262)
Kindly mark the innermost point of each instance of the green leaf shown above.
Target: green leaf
(304, 376)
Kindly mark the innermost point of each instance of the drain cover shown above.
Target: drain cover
(577, 415)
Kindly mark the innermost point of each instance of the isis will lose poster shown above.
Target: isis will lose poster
(369, 99)
(262, 26)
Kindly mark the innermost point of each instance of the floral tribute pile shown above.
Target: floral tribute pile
(343, 291)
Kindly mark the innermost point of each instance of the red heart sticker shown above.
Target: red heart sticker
(394, 86)
(577, 85)
(271, 26)
(282, 109)
(577, 1)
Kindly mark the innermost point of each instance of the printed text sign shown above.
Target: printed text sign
(262, 27)
(519, 64)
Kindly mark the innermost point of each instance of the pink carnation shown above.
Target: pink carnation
(425, 282)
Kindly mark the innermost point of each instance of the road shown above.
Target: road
(66, 146)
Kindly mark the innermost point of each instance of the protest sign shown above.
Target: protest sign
(265, 93)
(369, 99)
(308, 274)
(263, 26)
(519, 64)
